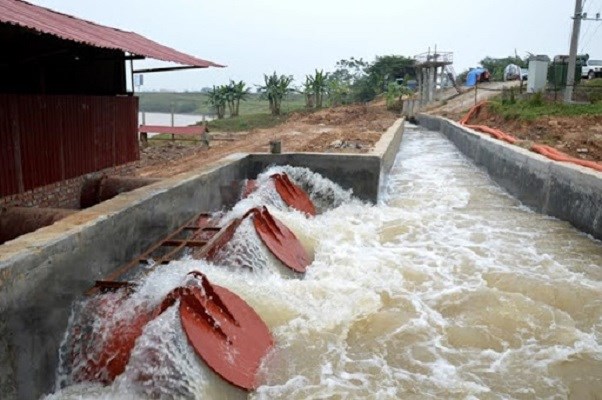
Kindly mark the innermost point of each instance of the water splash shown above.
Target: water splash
(449, 288)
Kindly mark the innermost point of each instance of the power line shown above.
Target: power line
(587, 29)
(591, 37)
(594, 6)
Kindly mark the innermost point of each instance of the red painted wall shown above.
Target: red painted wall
(49, 138)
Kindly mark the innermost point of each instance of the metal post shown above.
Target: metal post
(173, 106)
(570, 74)
(132, 73)
(144, 135)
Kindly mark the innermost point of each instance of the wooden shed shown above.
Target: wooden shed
(65, 110)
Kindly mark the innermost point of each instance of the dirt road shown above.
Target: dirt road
(456, 107)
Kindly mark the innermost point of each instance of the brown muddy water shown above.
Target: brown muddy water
(447, 289)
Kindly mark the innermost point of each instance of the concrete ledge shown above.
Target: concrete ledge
(565, 191)
(387, 148)
(388, 145)
(43, 272)
(363, 173)
(357, 172)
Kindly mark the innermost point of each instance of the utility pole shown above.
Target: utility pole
(570, 75)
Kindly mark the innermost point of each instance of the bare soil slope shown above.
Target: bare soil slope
(579, 136)
(349, 129)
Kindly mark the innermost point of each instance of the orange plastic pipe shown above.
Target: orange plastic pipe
(546, 151)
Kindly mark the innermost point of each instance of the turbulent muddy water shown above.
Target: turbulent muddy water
(448, 289)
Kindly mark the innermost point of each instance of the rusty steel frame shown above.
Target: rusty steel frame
(111, 282)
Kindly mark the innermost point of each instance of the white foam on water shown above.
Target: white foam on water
(448, 288)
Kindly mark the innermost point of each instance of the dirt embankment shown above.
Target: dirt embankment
(578, 136)
(348, 129)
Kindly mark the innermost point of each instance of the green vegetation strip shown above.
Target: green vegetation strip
(197, 103)
(530, 110)
(246, 122)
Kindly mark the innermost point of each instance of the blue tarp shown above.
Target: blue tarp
(473, 76)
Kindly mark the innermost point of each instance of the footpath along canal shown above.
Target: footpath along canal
(448, 288)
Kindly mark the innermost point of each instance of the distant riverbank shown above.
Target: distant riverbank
(152, 118)
(197, 103)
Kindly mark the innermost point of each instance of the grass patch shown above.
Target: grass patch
(196, 103)
(164, 138)
(246, 122)
(527, 110)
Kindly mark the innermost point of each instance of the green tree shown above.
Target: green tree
(275, 89)
(349, 71)
(338, 92)
(319, 84)
(366, 80)
(395, 93)
(308, 92)
(365, 89)
(237, 91)
(386, 69)
(217, 99)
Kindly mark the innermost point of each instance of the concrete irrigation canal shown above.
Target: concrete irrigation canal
(407, 273)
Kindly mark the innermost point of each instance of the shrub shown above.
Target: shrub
(508, 96)
(536, 100)
(593, 90)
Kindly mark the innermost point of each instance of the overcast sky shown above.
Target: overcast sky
(253, 37)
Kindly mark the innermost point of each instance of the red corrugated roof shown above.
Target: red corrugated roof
(65, 26)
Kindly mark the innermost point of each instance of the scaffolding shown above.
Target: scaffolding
(430, 67)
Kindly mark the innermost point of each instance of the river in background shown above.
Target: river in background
(165, 119)
(447, 289)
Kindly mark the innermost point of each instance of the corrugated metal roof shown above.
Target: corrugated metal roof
(65, 26)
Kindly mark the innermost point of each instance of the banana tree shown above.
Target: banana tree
(275, 89)
(308, 91)
(238, 91)
(217, 98)
(320, 86)
(395, 93)
(228, 91)
(338, 91)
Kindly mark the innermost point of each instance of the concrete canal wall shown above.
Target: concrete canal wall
(565, 191)
(43, 272)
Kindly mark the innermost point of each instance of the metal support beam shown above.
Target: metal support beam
(165, 69)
